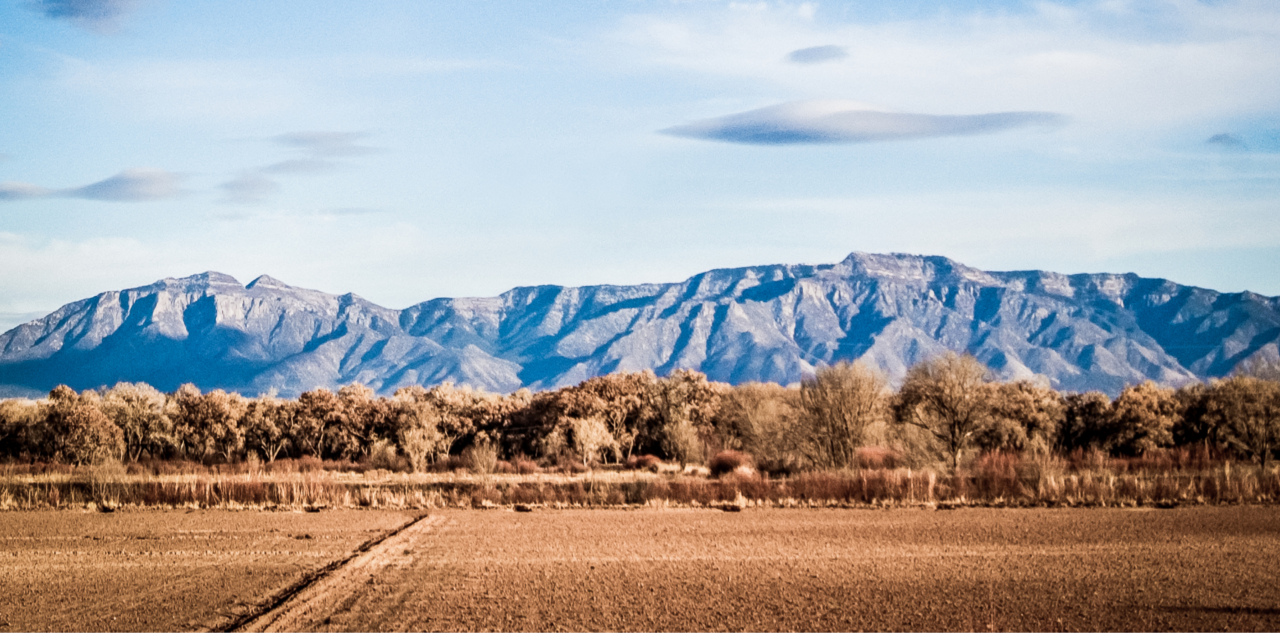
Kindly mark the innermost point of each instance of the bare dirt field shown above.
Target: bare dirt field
(1204, 568)
(163, 570)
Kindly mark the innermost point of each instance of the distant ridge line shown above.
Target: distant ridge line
(759, 323)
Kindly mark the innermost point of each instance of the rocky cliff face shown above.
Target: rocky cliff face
(773, 323)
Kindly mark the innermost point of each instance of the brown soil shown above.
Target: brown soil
(972, 569)
(172, 570)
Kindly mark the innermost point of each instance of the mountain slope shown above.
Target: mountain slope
(775, 323)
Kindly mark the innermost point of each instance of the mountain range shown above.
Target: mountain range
(762, 323)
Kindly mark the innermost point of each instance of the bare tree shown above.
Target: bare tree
(1086, 422)
(267, 424)
(417, 431)
(948, 398)
(78, 432)
(683, 405)
(591, 437)
(1025, 416)
(139, 411)
(837, 404)
(762, 419)
(1142, 419)
(1247, 415)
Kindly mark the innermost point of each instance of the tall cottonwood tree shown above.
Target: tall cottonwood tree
(762, 419)
(1142, 419)
(78, 432)
(268, 423)
(947, 397)
(138, 409)
(683, 405)
(416, 430)
(836, 405)
(1086, 422)
(1025, 416)
(1246, 411)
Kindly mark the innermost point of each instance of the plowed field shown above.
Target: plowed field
(175, 570)
(1210, 568)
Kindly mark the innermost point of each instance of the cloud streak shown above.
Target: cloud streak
(817, 54)
(130, 185)
(326, 143)
(320, 148)
(826, 122)
(95, 15)
(1227, 140)
(249, 188)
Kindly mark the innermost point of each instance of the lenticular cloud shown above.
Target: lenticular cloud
(848, 122)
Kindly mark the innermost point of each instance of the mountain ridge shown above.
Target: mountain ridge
(771, 322)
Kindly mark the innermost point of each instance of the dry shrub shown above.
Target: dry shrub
(309, 464)
(481, 458)
(821, 486)
(175, 467)
(525, 466)
(485, 498)
(452, 463)
(644, 462)
(879, 458)
(726, 462)
(995, 475)
(1081, 460)
(656, 491)
(383, 456)
(570, 467)
(503, 467)
(526, 493)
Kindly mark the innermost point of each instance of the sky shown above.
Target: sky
(408, 150)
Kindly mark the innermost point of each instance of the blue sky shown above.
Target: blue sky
(411, 150)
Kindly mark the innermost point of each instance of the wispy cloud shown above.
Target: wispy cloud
(326, 143)
(96, 15)
(817, 54)
(249, 188)
(849, 122)
(1101, 62)
(22, 191)
(320, 148)
(299, 166)
(130, 185)
(1226, 140)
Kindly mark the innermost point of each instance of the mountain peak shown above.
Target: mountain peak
(268, 282)
(207, 278)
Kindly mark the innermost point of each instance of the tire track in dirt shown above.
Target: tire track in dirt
(309, 603)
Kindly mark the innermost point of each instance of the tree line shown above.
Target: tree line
(946, 408)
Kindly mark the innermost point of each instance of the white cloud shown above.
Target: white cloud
(326, 143)
(817, 54)
(249, 188)
(97, 15)
(299, 166)
(22, 191)
(130, 185)
(1100, 63)
(833, 121)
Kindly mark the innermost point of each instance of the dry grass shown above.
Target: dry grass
(996, 479)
